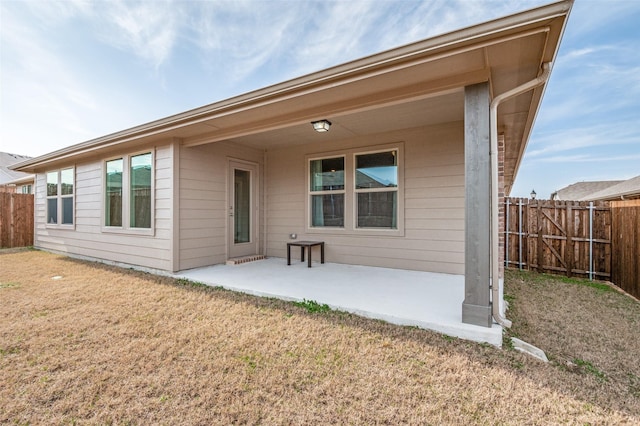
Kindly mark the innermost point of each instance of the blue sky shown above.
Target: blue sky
(74, 70)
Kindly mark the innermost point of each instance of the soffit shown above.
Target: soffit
(441, 108)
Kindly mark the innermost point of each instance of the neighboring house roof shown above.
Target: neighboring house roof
(26, 179)
(579, 190)
(412, 86)
(7, 175)
(626, 189)
(366, 179)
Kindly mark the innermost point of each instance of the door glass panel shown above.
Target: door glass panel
(242, 205)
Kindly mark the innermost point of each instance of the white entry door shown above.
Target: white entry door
(243, 212)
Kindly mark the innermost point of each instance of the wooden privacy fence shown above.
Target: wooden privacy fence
(16, 220)
(562, 237)
(595, 240)
(625, 222)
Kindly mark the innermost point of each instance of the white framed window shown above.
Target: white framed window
(376, 189)
(327, 190)
(357, 191)
(60, 197)
(26, 189)
(113, 192)
(128, 193)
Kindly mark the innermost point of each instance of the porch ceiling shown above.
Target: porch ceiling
(441, 108)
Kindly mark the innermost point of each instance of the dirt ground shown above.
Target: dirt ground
(84, 343)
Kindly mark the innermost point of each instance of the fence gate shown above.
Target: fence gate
(562, 237)
(626, 245)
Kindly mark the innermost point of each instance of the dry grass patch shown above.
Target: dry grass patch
(587, 329)
(106, 345)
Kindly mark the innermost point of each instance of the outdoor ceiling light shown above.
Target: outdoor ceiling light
(321, 125)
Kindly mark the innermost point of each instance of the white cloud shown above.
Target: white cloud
(432, 18)
(40, 90)
(594, 83)
(578, 53)
(336, 33)
(576, 138)
(240, 37)
(147, 29)
(55, 12)
(590, 16)
(588, 158)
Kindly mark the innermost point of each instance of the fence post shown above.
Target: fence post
(506, 236)
(540, 239)
(12, 225)
(520, 234)
(568, 248)
(590, 240)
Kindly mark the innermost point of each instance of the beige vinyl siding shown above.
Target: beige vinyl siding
(88, 238)
(286, 196)
(433, 237)
(203, 201)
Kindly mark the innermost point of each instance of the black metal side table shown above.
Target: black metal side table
(308, 245)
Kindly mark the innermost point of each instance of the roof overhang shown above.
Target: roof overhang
(23, 180)
(414, 85)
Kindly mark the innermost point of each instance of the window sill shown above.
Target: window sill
(70, 227)
(128, 231)
(359, 232)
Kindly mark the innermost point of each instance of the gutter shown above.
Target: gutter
(495, 235)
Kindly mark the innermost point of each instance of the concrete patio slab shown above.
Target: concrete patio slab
(423, 299)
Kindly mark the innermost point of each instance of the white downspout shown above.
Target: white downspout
(495, 235)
